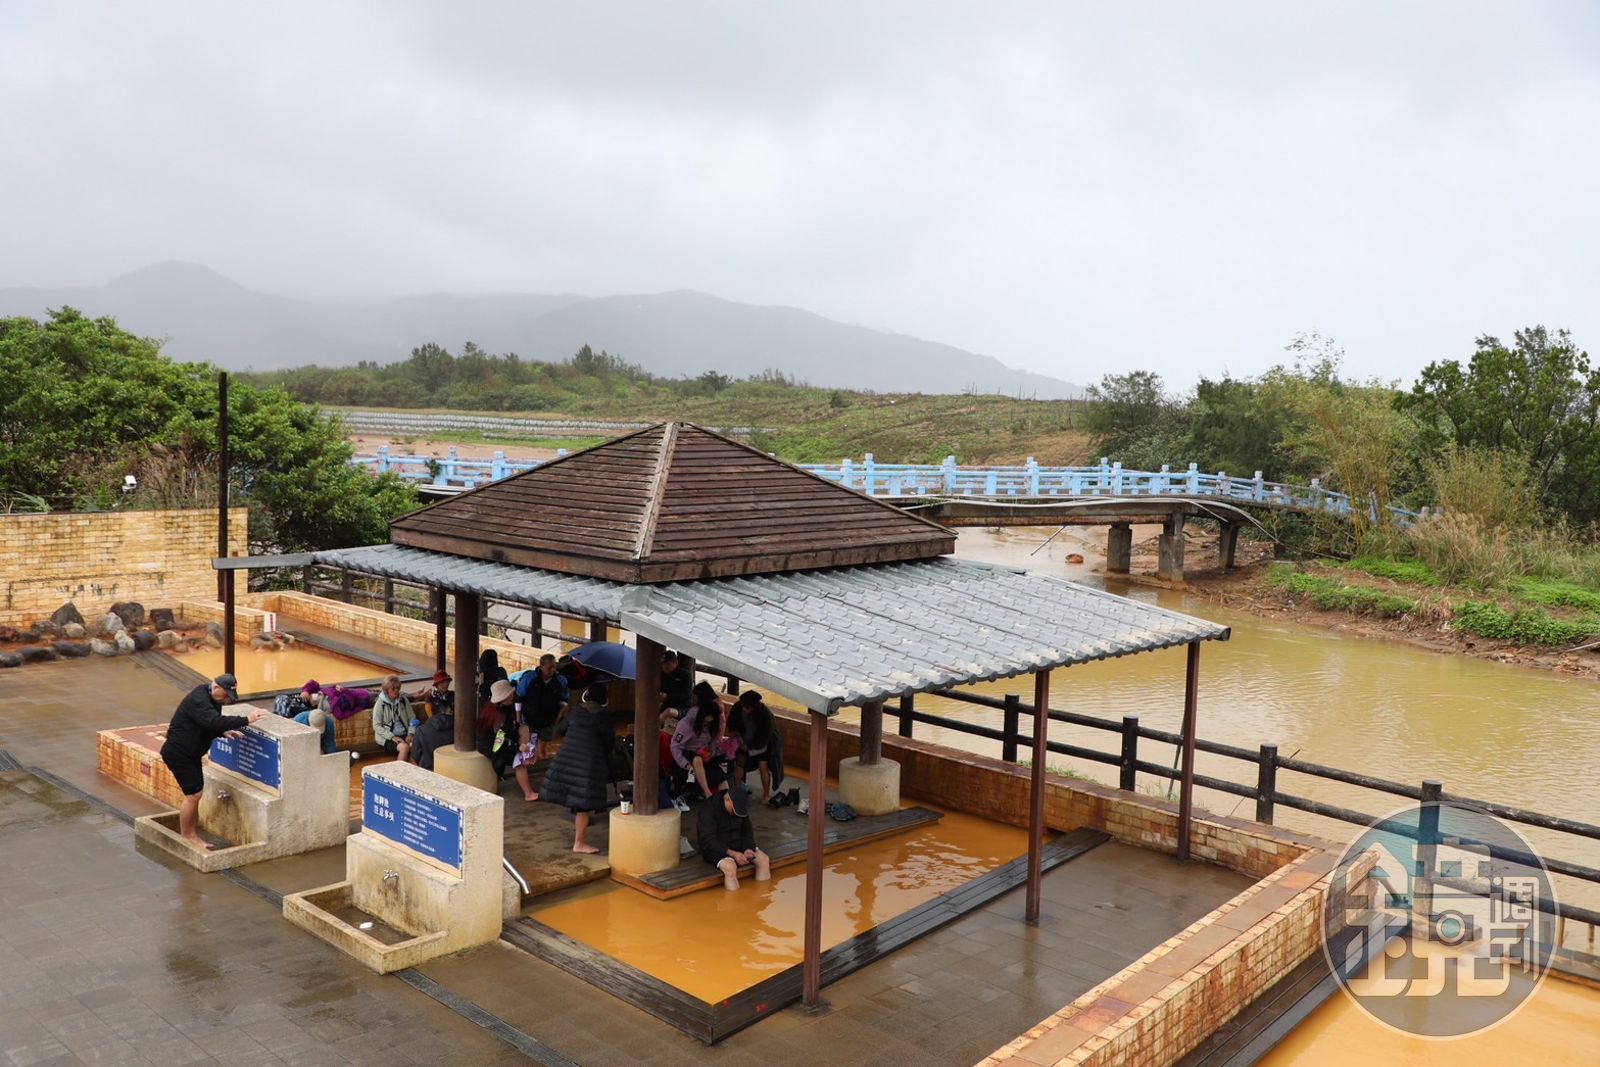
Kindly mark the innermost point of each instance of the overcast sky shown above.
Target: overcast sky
(1071, 188)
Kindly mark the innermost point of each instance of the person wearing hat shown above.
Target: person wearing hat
(581, 771)
(319, 719)
(497, 727)
(727, 840)
(196, 723)
(436, 696)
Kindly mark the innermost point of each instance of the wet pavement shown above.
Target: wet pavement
(110, 954)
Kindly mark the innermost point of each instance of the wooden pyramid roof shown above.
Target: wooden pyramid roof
(672, 502)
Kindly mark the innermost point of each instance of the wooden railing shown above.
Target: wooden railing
(948, 480)
(1260, 784)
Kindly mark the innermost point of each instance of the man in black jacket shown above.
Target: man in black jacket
(195, 724)
(677, 682)
(727, 840)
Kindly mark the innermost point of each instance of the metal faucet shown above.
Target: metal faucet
(390, 876)
(223, 794)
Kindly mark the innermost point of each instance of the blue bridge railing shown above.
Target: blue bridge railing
(1030, 481)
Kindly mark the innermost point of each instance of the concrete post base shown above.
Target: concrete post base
(870, 788)
(469, 768)
(644, 844)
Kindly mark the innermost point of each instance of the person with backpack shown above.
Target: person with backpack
(541, 702)
(291, 704)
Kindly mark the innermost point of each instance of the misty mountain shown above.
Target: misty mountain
(205, 316)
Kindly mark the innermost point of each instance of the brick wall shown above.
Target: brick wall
(96, 559)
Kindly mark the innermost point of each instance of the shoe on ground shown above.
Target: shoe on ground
(685, 850)
(802, 808)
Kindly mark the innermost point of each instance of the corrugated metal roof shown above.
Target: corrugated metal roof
(592, 598)
(827, 639)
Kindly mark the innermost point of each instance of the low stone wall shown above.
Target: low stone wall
(131, 757)
(96, 559)
(395, 631)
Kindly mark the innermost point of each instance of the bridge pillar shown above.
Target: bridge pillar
(1119, 549)
(1227, 544)
(1170, 566)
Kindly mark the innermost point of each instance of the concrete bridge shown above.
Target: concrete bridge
(1028, 494)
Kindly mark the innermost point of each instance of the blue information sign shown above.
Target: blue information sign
(256, 756)
(407, 817)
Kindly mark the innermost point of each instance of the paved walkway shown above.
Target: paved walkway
(112, 955)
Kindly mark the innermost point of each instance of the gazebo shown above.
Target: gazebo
(691, 540)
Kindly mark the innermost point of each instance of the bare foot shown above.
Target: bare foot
(587, 850)
(530, 797)
(200, 843)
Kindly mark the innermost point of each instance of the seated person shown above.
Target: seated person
(438, 732)
(436, 695)
(673, 777)
(691, 744)
(391, 719)
(677, 682)
(726, 838)
(497, 727)
(318, 719)
(343, 703)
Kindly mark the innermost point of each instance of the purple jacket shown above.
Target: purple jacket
(343, 703)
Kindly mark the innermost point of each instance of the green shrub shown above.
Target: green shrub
(1411, 571)
(1526, 626)
(1557, 593)
(1330, 594)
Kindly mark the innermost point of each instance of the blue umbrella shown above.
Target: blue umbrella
(607, 657)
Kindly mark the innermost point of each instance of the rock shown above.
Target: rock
(74, 630)
(1074, 557)
(71, 649)
(37, 654)
(124, 642)
(66, 613)
(161, 619)
(169, 639)
(262, 641)
(144, 640)
(131, 612)
(214, 634)
(9, 659)
(47, 628)
(8, 633)
(102, 648)
(106, 625)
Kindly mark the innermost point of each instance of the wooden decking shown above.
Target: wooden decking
(784, 843)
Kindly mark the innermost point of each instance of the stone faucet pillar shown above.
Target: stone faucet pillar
(427, 865)
(271, 794)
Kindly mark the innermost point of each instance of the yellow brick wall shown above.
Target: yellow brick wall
(97, 559)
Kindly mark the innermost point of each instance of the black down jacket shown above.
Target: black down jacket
(581, 771)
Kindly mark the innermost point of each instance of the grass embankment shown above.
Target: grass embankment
(807, 425)
(1546, 610)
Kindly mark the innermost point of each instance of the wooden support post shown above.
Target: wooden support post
(1191, 692)
(817, 798)
(1128, 765)
(907, 710)
(1266, 783)
(646, 724)
(871, 732)
(305, 578)
(1041, 754)
(467, 607)
(597, 630)
(733, 686)
(1010, 726)
(346, 583)
(229, 622)
(440, 629)
(483, 616)
(535, 624)
(1422, 909)
(388, 596)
